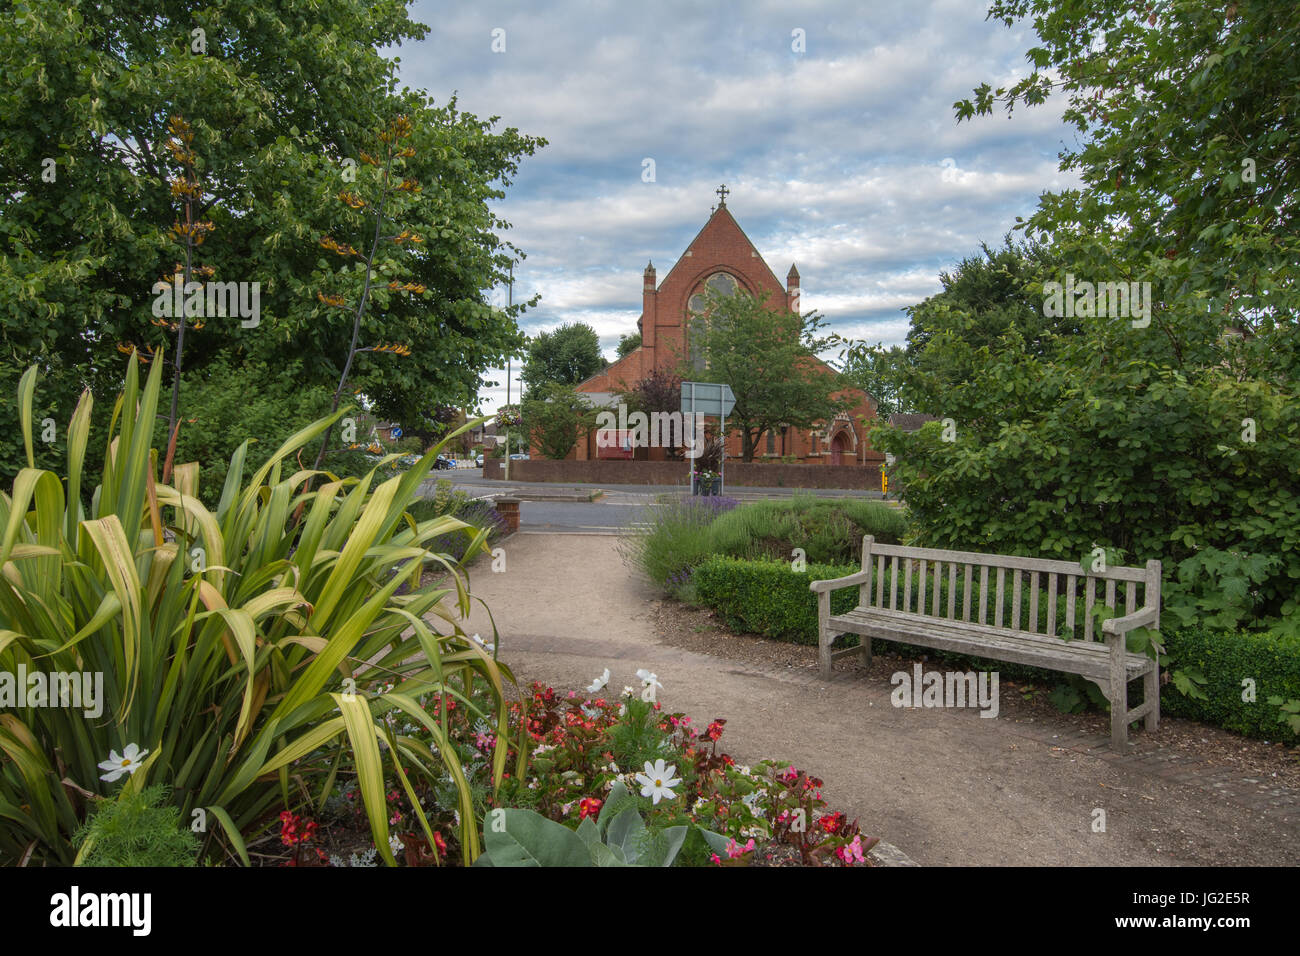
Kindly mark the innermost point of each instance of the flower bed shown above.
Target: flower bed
(588, 758)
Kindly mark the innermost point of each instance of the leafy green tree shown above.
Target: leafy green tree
(1186, 121)
(1173, 433)
(280, 102)
(769, 358)
(567, 356)
(880, 372)
(556, 416)
(627, 344)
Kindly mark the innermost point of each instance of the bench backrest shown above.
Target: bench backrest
(971, 586)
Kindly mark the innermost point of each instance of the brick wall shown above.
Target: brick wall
(738, 473)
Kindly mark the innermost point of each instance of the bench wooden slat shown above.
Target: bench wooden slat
(1051, 605)
(1110, 594)
(984, 592)
(893, 584)
(1130, 597)
(1089, 599)
(1015, 599)
(880, 580)
(965, 596)
(1001, 595)
(1116, 572)
(936, 592)
(920, 589)
(1070, 583)
(1086, 659)
(907, 585)
(1033, 602)
(952, 591)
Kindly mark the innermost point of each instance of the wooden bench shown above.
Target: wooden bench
(1107, 663)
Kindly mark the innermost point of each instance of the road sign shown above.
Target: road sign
(707, 398)
(397, 432)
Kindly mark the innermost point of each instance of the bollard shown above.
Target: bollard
(509, 509)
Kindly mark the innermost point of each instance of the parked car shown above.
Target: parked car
(479, 461)
(441, 462)
(523, 457)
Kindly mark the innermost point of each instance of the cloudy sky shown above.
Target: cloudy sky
(844, 157)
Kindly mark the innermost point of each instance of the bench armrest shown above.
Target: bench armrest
(1122, 625)
(831, 584)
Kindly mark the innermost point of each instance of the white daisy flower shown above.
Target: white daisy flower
(657, 781)
(128, 762)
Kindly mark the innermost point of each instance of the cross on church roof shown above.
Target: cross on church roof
(722, 194)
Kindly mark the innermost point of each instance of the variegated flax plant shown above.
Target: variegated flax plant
(247, 657)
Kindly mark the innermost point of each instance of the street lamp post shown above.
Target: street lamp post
(510, 301)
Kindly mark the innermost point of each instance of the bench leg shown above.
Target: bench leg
(1118, 699)
(866, 649)
(1151, 692)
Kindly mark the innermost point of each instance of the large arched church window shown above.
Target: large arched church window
(720, 283)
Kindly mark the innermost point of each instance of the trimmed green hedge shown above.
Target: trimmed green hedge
(1226, 659)
(767, 597)
(770, 599)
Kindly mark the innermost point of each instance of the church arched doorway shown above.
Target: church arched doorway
(839, 445)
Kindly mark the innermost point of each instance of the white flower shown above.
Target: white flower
(396, 845)
(658, 780)
(599, 682)
(128, 762)
(483, 644)
(628, 692)
(649, 682)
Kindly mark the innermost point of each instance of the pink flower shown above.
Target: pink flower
(852, 853)
(735, 850)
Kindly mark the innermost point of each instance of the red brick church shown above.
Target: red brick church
(721, 257)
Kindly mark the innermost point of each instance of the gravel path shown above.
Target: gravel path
(945, 786)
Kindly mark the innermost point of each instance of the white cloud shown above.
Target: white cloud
(834, 156)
